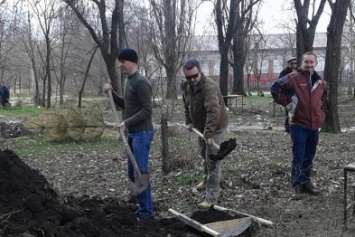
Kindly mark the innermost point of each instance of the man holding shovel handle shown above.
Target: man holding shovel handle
(137, 105)
(206, 113)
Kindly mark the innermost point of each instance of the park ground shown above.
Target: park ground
(256, 173)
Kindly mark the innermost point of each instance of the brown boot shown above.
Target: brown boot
(204, 205)
(310, 189)
(201, 185)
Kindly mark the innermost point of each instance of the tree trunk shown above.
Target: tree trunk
(48, 72)
(121, 39)
(171, 83)
(165, 144)
(306, 28)
(61, 91)
(170, 50)
(44, 92)
(223, 77)
(81, 92)
(224, 42)
(106, 37)
(238, 66)
(333, 61)
(304, 41)
(110, 61)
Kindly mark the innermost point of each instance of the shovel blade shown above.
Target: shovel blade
(139, 185)
(226, 147)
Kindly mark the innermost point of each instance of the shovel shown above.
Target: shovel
(224, 149)
(141, 181)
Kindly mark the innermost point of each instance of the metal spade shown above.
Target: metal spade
(141, 182)
(224, 149)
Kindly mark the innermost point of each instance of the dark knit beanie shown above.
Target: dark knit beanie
(128, 55)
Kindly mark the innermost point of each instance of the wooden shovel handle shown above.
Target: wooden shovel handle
(201, 135)
(197, 225)
(123, 135)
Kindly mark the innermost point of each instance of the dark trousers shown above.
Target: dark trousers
(304, 148)
(287, 124)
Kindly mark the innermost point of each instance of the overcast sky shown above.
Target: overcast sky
(277, 16)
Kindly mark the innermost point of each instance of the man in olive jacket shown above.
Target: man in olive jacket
(205, 111)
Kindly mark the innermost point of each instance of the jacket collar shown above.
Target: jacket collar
(315, 76)
(133, 75)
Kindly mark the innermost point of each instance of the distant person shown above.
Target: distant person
(138, 106)
(205, 111)
(306, 110)
(4, 94)
(291, 67)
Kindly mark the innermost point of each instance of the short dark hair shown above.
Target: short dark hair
(191, 64)
(310, 53)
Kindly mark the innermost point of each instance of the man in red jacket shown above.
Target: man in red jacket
(303, 93)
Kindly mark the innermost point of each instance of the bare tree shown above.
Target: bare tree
(288, 46)
(139, 37)
(227, 26)
(30, 49)
(351, 42)
(11, 34)
(173, 25)
(306, 28)
(256, 56)
(333, 61)
(81, 91)
(225, 32)
(45, 13)
(65, 39)
(106, 38)
(245, 18)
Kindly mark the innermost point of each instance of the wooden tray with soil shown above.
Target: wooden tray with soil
(215, 222)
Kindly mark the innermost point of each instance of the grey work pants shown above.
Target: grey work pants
(212, 168)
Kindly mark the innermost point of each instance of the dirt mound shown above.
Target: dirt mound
(30, 207)
(11, 130)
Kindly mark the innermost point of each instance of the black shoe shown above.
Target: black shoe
(146, 218)
(132, 200)
(310, 189)
(296, 193)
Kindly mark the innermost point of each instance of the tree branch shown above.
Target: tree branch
(82, 19)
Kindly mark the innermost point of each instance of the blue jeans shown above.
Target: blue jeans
(305, 143)
(139, 143)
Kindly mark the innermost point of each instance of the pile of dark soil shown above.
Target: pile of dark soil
(11, 130)
(30, 207)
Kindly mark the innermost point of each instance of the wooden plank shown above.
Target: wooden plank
(255, 218)
(232, 96)
(350, 167)
(195, 224)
